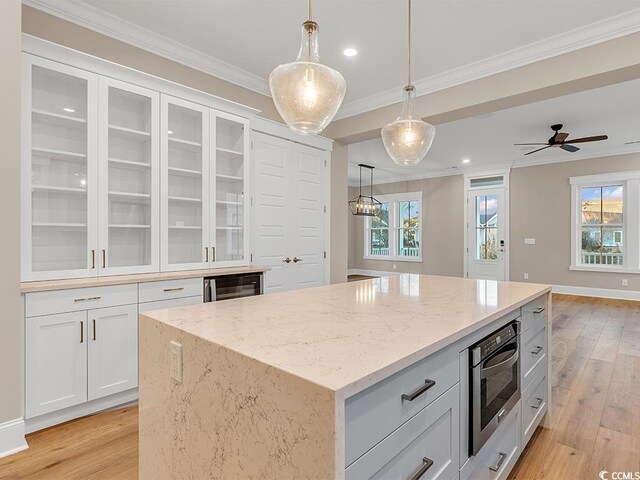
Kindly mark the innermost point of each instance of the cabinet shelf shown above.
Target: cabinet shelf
(130, 197)
(184, 227)
(185, 199)
(58, 119)
(51, 188)
(229, 228)
(126, 225)
(184, 172)
(228, 202)
(227, 154)
(129, 133)
(59, 225)
(228, 178)
(187, 143)
(59, 154)
(129, 163)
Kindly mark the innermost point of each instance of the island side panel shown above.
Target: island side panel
(231, 417)
(546, 422)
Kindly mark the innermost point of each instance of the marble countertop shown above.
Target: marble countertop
(349, 336)
(49, 285)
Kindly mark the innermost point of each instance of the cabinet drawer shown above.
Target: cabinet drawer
(78, 299)
(534, 351)
(176, 302)
(374, 413)
(429, 442)
(168, 289)
(534, 402)
(534, 310)
(498, 456)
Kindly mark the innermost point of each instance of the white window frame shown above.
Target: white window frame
(630, 224)
(393, 200)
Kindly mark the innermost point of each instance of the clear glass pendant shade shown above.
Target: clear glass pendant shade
(408, 138)
(306, 93)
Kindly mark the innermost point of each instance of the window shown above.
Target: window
(486, 246)
(395, 232)
(606, 222)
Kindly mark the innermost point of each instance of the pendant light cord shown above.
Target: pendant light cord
(409, 42)
(310, 10)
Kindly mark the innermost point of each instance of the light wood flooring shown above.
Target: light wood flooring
(595, 421)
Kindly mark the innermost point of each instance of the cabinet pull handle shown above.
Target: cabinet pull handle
(426, 465)
(419, 391)
(93, 259)
(82, 332)
(499, 463)
(94, 329)
(206, 254)
(104, 258)
(86, 299)
(537, 350)
(538, 310)
(213, 254)
(175, 289)
(539, 402)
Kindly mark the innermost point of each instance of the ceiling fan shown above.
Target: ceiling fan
(559, 139)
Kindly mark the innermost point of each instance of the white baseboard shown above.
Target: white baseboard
(371, 273)
(12, 437)
(597, 292)
(101, 404)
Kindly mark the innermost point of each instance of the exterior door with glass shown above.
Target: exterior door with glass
(486, 229)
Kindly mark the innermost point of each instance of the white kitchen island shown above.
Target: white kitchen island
(309, 384)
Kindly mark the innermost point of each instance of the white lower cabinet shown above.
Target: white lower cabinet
(112, 350)
(56, 362)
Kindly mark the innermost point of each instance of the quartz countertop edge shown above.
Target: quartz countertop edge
(66, 284)
(343, 386)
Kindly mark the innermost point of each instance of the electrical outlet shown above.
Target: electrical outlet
(529, 241)
(625, 282)
(176, 361)
(395, 266)
(526, 276)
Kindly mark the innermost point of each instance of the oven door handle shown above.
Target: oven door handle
(508, 363)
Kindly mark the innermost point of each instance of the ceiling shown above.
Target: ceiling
(453, 40)
(487, 141)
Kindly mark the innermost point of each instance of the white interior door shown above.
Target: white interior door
(288, 213)
(486, 239)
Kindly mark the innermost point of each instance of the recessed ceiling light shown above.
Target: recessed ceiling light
(350, 52)
(466, 160)
(69, 110)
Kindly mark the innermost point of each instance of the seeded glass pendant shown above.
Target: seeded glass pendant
(306, 93)
(408, 138)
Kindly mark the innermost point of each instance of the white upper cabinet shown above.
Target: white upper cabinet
(230, 173)
(129, 174)
(59, 171)
(185, 161)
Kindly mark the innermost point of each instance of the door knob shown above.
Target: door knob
(287, 260)
(296, 259)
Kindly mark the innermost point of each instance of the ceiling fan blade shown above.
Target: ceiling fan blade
(596, 138)
(532, 144)
(534, 151)
(569, 148)
(561, 137)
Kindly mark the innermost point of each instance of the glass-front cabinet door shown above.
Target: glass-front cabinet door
(184, 185)
(59, 171)
(229, 239)
(129, 178)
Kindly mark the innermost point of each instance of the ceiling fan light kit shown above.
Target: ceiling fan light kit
(306, 93)
(560, 140)
(365, 205)
(408, 138)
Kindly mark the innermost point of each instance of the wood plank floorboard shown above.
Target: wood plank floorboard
(594, 424)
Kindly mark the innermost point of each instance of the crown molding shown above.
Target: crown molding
(102, 22)
(576, 39)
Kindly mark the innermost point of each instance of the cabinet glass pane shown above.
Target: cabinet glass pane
(185, 167)
(129, 183)
(229, 190)
(58, 171)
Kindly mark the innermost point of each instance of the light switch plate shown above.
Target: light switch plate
(175, 353)
(529, 241)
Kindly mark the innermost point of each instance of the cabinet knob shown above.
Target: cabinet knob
(287, 260)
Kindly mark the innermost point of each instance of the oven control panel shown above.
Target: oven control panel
(493, 342)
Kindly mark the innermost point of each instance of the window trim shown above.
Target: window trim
(631, 220)
(393, 200)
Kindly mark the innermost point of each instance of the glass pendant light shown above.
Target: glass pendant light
(306, 93)
(408, 138)
(363, 205)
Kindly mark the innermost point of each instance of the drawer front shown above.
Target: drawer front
(498, 456)
(169, 289)
(429, 442)
(177, 302)
(374, 413)
(78, 299)
(533, 311)
(534, 352)
(534, 403)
